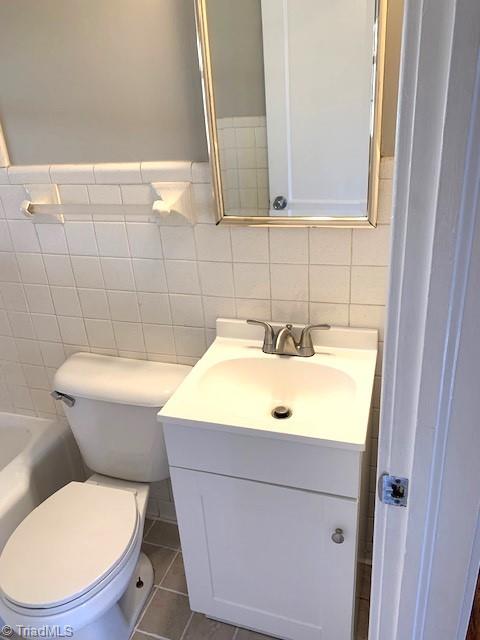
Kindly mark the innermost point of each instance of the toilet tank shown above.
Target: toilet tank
(114, 414)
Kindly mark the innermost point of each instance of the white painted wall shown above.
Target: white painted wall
(235, 32)
(117, 80)
(100, 80)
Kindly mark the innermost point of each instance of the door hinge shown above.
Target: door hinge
(393, 490)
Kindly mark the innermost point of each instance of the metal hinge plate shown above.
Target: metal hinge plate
(393, 490)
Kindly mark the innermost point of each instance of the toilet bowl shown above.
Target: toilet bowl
(70, 581)
(73, 566)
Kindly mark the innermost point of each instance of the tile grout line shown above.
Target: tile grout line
(269, 244)
(178, 593)
(166, 520)
(350, 278)
(139, 321)
(200, 292)
(148, 634)
(167, 570)
(12, 332)
(309, 303)
(162, 546)
(148, 602)
(231, 262)
(169, 302)
(155, 587)
(149, 528)
(94, 229)
(187, 625)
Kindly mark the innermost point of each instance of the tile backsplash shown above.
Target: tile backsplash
(242, 144)
(132, 286)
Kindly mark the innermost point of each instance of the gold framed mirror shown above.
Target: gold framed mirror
(282, 154)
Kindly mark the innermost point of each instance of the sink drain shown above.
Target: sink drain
(281, 412)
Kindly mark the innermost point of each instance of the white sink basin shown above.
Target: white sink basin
(236, 386)
(250, 388)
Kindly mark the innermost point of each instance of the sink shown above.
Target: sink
(251, 388)
(269, 469)
(237, 386)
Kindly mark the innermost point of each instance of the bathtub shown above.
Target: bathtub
(37, 457)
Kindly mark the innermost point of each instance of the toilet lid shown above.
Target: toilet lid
(68, 545)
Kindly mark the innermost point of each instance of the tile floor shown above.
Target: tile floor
(167, 614)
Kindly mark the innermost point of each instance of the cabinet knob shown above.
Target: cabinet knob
(280, 203)
(338, 536)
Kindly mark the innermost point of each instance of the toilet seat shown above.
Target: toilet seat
(73, 544)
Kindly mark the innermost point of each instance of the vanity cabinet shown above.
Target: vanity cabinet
(262, 556)
(269, 510)
(256, 530)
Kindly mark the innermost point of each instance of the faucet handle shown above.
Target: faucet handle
(269, 338)
(305, 345)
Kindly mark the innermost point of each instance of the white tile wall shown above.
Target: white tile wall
(146, 290)
(243, 160)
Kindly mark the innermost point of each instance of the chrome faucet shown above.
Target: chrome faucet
(283, 342)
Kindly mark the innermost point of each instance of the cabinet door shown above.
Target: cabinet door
(318, 90)
(262, 556)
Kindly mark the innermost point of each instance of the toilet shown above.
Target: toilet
(74, 564)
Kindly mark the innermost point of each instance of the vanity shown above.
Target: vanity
(265, 455)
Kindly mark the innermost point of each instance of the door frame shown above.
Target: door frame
(426, 557)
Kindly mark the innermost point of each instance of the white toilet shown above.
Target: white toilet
(74, 564)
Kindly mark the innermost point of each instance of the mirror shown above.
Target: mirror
(293, 97)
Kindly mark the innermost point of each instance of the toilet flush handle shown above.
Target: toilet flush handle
(68, 400)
